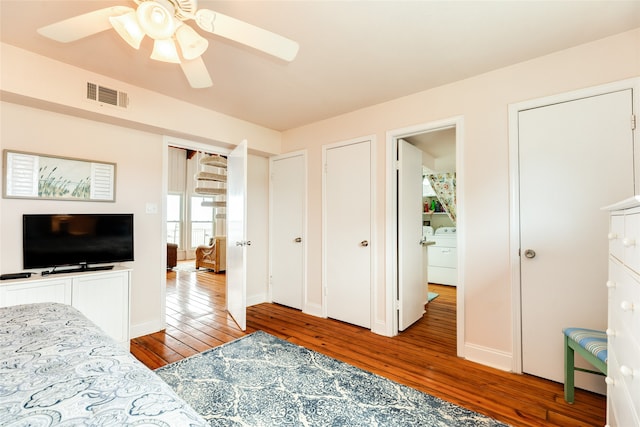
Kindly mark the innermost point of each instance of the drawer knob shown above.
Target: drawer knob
(609, 381)
(612, 236)
(626, 306)
(611, 284)
(626, 371)
(610, 332)
(628, 242)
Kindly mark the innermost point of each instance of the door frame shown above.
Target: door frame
(391, 252)
(305, 213)
(372, 238)
(514, 185)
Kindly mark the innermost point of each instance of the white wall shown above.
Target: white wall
(483, 102)
(50, 116)
(64, 90)
(134, 143)
(138, 176)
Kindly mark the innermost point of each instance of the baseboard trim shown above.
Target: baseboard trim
(488, 357)
(380, 328)
(146, 328)
(313, 309)
(257, 299)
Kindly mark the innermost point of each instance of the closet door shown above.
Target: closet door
(575, 157)
(288, 183)
(347, 224)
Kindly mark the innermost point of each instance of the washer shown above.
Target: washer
(443, 257)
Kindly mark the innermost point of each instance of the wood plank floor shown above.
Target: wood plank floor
(423, 357)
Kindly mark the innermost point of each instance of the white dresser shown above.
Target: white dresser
(623, 365)
(102, 296)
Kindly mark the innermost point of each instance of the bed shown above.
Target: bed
(58, 369)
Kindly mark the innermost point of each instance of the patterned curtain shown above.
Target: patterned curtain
(444, 184)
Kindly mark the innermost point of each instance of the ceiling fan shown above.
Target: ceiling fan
(165, 22)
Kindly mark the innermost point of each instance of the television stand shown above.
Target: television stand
(80, 269)
(103, 296)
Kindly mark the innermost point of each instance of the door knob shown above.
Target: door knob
(364, 243)
(298, 239)
(530, 253)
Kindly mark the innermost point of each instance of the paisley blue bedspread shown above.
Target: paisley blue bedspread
(58, 369)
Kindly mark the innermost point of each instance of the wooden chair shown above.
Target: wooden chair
(592, 346)
(213, 256)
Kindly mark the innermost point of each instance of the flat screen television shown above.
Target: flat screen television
(55, 240)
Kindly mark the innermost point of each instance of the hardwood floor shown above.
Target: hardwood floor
(423, 357)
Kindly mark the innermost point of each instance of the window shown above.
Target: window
(174, 219)
(202, 221)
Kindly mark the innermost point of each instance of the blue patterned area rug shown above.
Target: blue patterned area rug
(261, 380)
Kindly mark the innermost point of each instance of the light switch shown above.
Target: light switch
(151, 208)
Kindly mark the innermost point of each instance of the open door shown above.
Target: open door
(237, 235)
(412, 288)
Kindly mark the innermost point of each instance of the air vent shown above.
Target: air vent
(105, 95)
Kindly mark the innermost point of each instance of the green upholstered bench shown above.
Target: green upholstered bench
(590, 344)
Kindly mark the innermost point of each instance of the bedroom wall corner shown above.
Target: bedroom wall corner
(138, 158)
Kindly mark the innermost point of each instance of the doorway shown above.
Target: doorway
(421, 136)
(179, 187)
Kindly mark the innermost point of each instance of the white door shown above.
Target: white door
(575, 157)
(287, 230)
(237, 235)
(348, 233)
(412, 288)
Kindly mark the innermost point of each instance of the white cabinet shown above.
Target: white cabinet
(104, 299)
(101, 296)
(623, 365)
(14, 292)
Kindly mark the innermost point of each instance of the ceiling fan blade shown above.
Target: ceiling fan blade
(84, 25)
(247, 34)
(196, 73)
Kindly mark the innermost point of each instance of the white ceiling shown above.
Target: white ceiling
(352, 53)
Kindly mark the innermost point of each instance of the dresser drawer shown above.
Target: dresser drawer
(622, 411)
(616, 234)
(631, 241)
(624, 298)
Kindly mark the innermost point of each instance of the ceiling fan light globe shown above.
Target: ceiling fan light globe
(191, 43)
(127, 27)
(165, 51)
(156, 19)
